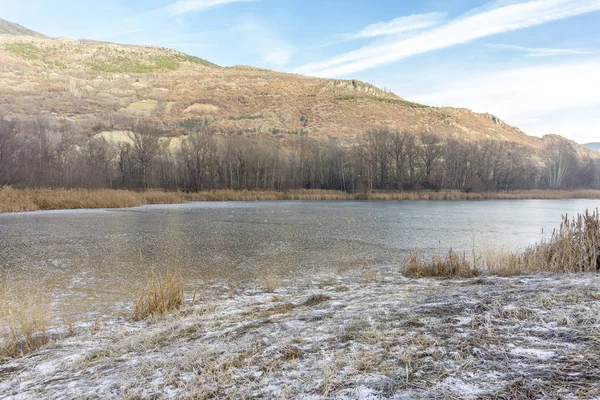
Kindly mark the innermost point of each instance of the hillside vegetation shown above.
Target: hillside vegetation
(98, 85)
(80, 113)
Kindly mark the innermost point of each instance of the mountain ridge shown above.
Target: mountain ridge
(593, 146)
(89, 83)
(11, 28)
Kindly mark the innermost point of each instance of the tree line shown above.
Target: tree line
(43, 153)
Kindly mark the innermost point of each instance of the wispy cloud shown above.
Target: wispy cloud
(473, 25)
(259, 38)
(399, 25)
(187, 6)
(526, 97)
(540, 51)
(153, 19)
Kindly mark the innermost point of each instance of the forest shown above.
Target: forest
(44, 153)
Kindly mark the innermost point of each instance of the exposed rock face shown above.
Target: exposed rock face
(344, 86)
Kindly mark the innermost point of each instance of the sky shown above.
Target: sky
(533, 63)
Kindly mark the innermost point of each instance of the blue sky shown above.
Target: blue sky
(533, 63)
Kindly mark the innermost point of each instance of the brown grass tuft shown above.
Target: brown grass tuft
(25, 318)
(316, 299)
(272, 283)
(163, 294)
(450, 266)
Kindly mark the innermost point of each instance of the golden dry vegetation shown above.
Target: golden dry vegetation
(163, 293)
(25, 318)
(574, 247)
(19, 200)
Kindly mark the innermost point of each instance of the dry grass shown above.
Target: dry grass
(450, 266)
(162, 294)
(25, 318)
(507, 195)
(272, 283)
(485, 338)
(235, 195)
(573, 248)
(315, 194)
(16, 200)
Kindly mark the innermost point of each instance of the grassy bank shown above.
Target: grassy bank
(342, 337)
(504, 333)
(16, 200)
(574, 247)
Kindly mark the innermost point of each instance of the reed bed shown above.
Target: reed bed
(17, 200)
(573, 248)
(235, 195)
(25, 319)
(163, 293)
(507, 195)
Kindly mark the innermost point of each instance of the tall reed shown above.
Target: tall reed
(573, 247)
(25, 318)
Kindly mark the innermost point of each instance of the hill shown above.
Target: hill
(593, 146)
(100, 86)
(10, 28)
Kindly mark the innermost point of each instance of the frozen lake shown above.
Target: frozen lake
(94, 260)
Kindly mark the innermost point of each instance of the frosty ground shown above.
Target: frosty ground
(364, 336)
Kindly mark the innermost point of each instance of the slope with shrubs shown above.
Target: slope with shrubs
(97, 86)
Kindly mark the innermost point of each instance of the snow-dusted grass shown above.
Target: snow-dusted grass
(25, 319)
(348, 337)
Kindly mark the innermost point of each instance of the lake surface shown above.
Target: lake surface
(93, 260)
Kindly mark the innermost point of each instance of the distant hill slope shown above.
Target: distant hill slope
(593, 146)
(10, 28)
(102, 86)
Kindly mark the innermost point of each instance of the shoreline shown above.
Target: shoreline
(347, 337)
(23, 200)
(512, 325)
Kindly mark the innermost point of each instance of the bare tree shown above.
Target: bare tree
(200, 158)
(560, 160)
(145, 150)
(431, 151)
(377, 144)
(9, 145)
